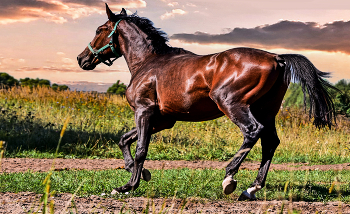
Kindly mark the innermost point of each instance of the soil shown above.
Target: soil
(43, 165)
(24, 202)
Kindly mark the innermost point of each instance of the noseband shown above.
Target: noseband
(109, 45)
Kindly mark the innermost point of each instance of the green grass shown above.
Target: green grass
(30, 123)
(185, 183)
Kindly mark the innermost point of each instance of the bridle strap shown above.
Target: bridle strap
(109, 45)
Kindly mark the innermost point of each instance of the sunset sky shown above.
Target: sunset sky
(42, 38)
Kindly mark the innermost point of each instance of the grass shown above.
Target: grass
(186, 183)
(31, 120)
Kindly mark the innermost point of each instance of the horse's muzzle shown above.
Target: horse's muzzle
(85, 63)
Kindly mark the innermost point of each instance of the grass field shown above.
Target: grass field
(185, 183)
(30, 122)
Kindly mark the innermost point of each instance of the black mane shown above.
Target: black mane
(158, 38)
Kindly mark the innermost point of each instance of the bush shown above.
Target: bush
(34, 82)
(59, 87)
(7, 81)
(117, 88)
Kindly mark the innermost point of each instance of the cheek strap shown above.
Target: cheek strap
(110, 45)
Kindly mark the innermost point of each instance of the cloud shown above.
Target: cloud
(173, 4)
(293, 35)
(172, 14)
(58, 11)
(8, 62)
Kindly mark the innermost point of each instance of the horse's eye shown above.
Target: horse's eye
(98, 31)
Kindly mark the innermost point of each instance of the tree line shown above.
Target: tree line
(7, 81)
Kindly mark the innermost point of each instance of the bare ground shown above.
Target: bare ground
(43, 165)
(24, 202)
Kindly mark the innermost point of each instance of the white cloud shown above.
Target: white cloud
(11, 61)
(173, 4)
(191, 5)
(172, 14)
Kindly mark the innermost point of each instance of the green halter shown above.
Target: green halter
(109, 45)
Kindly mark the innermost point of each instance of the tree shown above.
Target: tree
(342, 100)
(59, 87)
(294, 96)
(34, 82)
(7, 81)
(117, 88)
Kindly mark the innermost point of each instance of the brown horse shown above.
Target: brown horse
(171, 84)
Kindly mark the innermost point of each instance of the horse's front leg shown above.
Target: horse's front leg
(124, 144)
(143, 118)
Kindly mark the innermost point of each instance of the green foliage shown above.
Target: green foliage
(59, 87)
(294, 97)
(7, 81)
(34, 82)
(342, 100)
(117, 88)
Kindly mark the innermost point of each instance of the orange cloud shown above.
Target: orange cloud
(58, 11)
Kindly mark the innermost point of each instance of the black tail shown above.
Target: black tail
(311, 79)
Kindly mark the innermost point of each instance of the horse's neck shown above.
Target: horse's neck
(134, 46)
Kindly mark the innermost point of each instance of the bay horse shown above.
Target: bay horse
(172, 84)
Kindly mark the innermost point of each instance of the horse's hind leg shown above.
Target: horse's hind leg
(269, 143)
(241, 115)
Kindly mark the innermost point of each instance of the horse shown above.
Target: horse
(170, 84)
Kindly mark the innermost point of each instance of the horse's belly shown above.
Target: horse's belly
(198, 110)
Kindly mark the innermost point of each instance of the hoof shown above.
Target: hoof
(114, 192)
(229, 185)
(146, 175)
(245, 196)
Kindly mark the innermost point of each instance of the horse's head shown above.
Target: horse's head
(105, 44)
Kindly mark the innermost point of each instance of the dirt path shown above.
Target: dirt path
(42, 165)
(22, 202)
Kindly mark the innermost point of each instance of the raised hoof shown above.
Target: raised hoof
(229, 185)
(146, 175)
(245, 196)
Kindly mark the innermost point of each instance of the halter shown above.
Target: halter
(109, 45)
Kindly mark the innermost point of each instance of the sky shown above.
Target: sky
(42, 38)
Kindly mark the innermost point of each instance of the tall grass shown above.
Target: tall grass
(30, 121)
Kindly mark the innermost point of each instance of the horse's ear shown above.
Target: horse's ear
(110, 14)
(123, 12)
